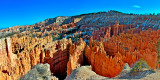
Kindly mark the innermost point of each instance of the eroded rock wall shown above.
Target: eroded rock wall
(111, 54)
(7, 59)
(76, 56)
(101, 63)
(57, 55)
(28, 52)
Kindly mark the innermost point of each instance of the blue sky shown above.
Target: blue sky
(27, 12)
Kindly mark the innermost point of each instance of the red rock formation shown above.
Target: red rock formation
(134, 46)
(101, 63)
(76, 58)
(28, 52)
(110, 55)
(108, 33)
(115, 29)
(57, 56)
(7, 59)
(112, 30)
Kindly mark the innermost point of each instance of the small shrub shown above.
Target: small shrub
(54, 38)
(138, 67)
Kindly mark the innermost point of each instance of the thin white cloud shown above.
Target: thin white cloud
(136, 6)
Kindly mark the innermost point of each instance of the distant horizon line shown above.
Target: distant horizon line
(86, 14)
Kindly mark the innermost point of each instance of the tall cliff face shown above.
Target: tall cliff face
(28, 52)
(57, 55)
(7, 59)
(76, 56)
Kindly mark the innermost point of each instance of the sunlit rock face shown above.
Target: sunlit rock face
(7, 60)
(28, 52)
(76, 56)
(101, 63)
(120, 49)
